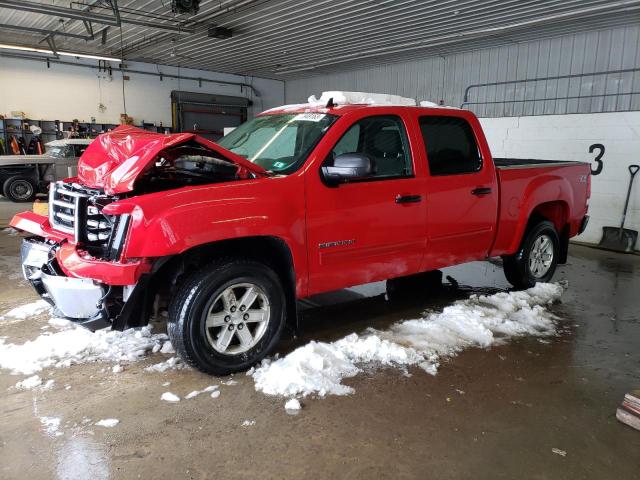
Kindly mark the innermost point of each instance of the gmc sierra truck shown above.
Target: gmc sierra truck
(300, 200)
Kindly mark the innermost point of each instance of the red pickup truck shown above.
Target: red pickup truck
(298, 201)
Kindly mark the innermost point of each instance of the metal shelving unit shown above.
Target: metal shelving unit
(54, 129)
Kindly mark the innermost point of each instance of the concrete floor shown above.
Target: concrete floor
(520, 400)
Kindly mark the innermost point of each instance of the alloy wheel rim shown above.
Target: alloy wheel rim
(541, 256)
(237, 318)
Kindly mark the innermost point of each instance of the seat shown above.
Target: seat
(387, 153)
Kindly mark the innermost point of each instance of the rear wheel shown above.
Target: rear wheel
(20, 189)
(537, 258)
(227, 316)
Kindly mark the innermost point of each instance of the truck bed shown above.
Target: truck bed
(528, 182)
(505, 163)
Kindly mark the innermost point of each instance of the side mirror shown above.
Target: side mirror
(346, 167)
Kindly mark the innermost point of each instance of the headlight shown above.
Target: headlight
(118, 236)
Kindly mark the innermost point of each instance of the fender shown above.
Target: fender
(171, 222)
(543, 189)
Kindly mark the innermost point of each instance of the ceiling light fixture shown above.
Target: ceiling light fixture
(59, 52)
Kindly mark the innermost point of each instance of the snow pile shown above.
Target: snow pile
(51, 425)
(28, 310)
(480, 321)
(108, 422)
(292, 405)
(195, 393)
(78, 345)
(248, 423)
(361, 98)
(168, 364)
(170, 397)
(29, 383)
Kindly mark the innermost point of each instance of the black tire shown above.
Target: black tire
(20, 189)
(517, 266)
(193, 301)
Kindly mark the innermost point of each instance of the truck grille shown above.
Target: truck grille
(76, 210)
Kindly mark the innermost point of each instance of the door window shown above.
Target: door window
(384, 140)
(451, 146)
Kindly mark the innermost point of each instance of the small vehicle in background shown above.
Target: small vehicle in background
(22, 177)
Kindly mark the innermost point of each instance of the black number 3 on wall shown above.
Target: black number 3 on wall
(598, 159)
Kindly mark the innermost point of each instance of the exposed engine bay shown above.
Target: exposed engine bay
(185, 165)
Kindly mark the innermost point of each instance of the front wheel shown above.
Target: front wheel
(227, 316)
(537, 258)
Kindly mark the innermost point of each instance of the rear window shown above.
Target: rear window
(451, 145)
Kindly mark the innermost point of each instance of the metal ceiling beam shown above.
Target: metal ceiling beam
(87, 16)
(59, 11)
(45, 31)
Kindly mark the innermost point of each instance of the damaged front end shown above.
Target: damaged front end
(77, 259)
(78, 299)
(53, 267)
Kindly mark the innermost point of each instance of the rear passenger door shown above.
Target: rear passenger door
(462, 194)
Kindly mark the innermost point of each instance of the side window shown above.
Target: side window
(451, 146)
(384, 140)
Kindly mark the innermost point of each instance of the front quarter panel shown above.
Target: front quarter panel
(172, 222)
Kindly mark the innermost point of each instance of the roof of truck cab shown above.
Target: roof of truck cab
(344, 109)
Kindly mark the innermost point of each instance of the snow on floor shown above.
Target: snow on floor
(480, 321)
(74, 345)
(170, 397)
(108, 422)
(293, 404)
(51, 425)
(25, 311)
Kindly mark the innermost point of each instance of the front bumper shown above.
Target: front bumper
(80, 300)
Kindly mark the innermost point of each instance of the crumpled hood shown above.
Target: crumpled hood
(115, 160)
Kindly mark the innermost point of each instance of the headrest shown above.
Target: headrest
(387, 142)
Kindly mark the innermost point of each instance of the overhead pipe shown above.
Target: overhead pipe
(160, 75)
(46, 32)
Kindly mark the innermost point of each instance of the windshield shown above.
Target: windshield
(57, 151)
(278, 143)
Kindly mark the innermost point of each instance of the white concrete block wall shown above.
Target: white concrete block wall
(65, 92)
(568, 137)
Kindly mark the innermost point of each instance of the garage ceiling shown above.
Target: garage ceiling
(295, 38)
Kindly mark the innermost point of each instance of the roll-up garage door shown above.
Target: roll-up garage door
(207, 114)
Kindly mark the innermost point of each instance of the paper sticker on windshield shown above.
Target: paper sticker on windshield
(310, 117)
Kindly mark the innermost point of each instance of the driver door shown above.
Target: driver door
(373, 228)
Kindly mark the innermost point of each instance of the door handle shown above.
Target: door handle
(408, 198)
(480, 191)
